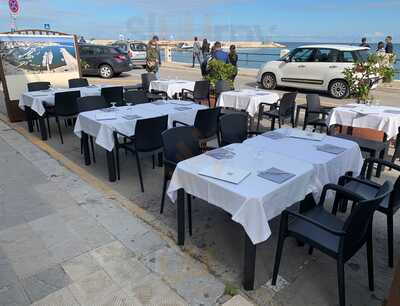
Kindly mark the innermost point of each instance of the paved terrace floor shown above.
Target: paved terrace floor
(217, 242)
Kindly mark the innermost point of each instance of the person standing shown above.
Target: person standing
(219, 54)
(196, 51)
(364, 43)
(389, 44)
(153, 56)
(233, 57)
(205, 49)
(381, 48)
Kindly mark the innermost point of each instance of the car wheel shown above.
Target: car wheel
(106, 71)
(339, 89)
(268, 81)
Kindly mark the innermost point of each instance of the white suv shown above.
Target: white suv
(317, 67)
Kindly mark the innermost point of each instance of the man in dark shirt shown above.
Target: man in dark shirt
(364, 43)
(389, 44)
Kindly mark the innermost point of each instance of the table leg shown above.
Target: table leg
(43, 129)
(181, 216)
(112, 177)
(85, 143)
(28, 114)
(249, 264)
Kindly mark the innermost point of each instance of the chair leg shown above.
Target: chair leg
(189, 203)
(341, 288)
(81, 145)
(48, 126)
(390, 238)
(310, 250)
(118, 162)
(163, 194)
(153, 159)
(280, 122)
(305, 121)
(59, 129)
(258, 121)
(92, 147)
(140, 171)
(279, 248)
(370, 261)
(273, 123)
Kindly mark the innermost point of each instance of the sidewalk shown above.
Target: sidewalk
(64, 243)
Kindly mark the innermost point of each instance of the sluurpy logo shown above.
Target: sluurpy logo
(14, 6)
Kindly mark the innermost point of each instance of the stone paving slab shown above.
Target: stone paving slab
(65, 243)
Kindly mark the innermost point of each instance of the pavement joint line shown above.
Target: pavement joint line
(189, 251)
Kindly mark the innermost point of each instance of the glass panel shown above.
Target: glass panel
(346, 57)
(303, 55)
(326, 55)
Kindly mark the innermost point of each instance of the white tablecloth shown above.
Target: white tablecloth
(103, 130)
(171, 87)
(363, 116)
(36, 99)
(254, 201)
(328, 167)
(247, 99)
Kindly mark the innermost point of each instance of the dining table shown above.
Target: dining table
(171, 87)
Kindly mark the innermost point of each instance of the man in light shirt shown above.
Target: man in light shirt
(196, 51)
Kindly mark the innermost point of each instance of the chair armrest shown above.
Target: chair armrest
(314, 222)
(348, 194)
(175, 122)
(261, 106)
(187, 90)
(346, 179)
(169, 162)
(372, 161)
(116, 133)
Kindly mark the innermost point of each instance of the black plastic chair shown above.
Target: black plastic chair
(200, 92)
(234, 128)
(366, 188)
(31, 115)
(36, 86)
(81, 82)
(315, 114)
(179, 143)
(396, 153)
(284, 110)
(220, 87)
(206, 122)
(332, 236)
(147, 139)
(113, 94)
(152, 95)
(87, 104)
(66, 107)
(136, 97)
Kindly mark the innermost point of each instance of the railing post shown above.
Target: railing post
(168, 54)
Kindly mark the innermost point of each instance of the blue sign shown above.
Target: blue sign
(47, 26)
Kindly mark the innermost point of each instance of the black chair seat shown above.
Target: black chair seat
(272, 113)
(367, 145)
(319, 122)
(328, 241)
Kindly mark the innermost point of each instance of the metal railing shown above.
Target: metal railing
(246, 58)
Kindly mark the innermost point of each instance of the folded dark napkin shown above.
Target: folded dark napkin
(158, 102)
(328, 148)
(182, 108)
(276, 175)
(392, 111)
(131, 117)
(221, 154)
(274, 135)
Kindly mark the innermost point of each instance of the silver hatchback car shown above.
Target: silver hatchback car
(136, 51)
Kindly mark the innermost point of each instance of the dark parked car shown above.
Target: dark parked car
(106, 61)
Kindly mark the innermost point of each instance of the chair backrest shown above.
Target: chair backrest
(180, 143)
(136, 97)
(148, 133)
(313, 105)
(360, 220)
(233, 128)
(89, 103)
(35, 86)
(81, 82)
(221, 86)
(146, 80)
(201, 90)
(287, 104)
(66, 103)
(206, 122)
(113, 94)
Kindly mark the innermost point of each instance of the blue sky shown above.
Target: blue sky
(284, 20)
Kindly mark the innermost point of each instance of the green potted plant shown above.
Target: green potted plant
(220, 71)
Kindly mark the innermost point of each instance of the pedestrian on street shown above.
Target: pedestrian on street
(389, 44)
(364, 43)
(220, 54)
(196, 51)
(381, 48)
(205, 49)
(153, 57)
